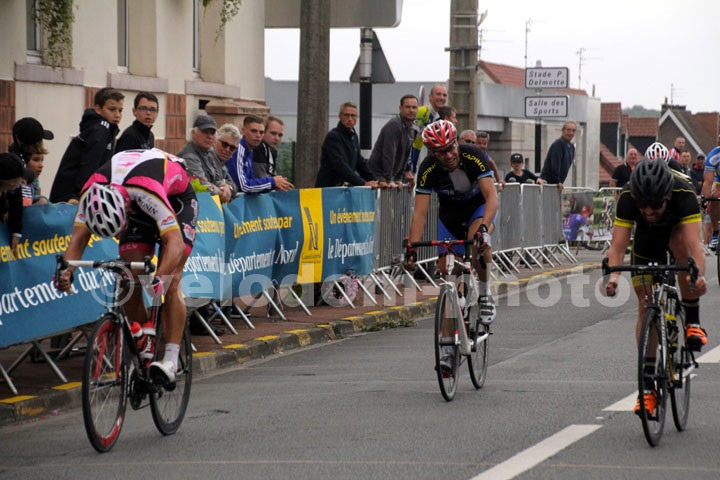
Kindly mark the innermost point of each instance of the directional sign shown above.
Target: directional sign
(552, 106)
(546, 77)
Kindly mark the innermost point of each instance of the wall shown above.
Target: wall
(160, 61)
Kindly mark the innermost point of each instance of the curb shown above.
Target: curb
(68, 396)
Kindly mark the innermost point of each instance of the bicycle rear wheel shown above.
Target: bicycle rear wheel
(652, 346)
(447, 377)
(104, 384)
(168, 405)
(680, 383)
(478, 358)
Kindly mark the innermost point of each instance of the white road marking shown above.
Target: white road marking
(627, 404)
(537, 454)
(711, 356)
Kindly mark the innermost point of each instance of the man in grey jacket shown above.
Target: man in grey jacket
(391, 153)
(200, 158)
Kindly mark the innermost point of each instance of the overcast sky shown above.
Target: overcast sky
(635, 49)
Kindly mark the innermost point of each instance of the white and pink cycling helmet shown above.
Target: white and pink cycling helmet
(657, 150)
(104, 209)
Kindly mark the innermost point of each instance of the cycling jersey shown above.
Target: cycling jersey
(160, 194)
(712, 163)
(651, 240)
(458, 191)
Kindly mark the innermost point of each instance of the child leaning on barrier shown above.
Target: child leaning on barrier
(35, 164)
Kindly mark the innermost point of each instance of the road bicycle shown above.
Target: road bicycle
(662, 343)
(457, 312)
(115, 370)
(703, 201)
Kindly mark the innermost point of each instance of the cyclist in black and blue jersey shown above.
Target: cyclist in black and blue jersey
(711, 189)
(468, 200)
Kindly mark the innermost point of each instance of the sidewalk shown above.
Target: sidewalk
(41, 393)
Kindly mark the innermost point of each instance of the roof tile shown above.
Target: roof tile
(642, 126)
(515, 76)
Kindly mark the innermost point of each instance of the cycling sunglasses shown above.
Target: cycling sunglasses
(228, 145)
(657, 205)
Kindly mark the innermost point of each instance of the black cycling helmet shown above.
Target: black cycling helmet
(651, 181)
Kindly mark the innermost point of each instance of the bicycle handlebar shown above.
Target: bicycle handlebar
(115, 265)
(654, 268)
(436, 243)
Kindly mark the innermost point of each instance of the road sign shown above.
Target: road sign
(343, 13)
(381, 72)
(551, 106)
(546, 77)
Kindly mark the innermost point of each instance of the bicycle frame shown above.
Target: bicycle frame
(461, 336)
(662, 317)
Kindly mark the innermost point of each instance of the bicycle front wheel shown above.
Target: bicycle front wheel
(447, 353)
(478, 358)
(652, 351)
(682, 360)
(104, 384)
(168, 406)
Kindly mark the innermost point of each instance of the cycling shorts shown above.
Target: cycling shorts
(142, 231)
(649, 246)
(457, 231)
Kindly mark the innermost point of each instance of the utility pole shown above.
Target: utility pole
(580, 53)
(528, 24)
(313, 89)
(462, 88)
(366, 52)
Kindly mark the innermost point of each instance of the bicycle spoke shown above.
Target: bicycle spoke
(104, 384)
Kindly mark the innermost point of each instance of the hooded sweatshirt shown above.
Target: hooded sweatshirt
(94, 146)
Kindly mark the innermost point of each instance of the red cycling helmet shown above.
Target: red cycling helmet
(439, 135)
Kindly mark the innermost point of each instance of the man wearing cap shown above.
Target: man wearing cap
(200, 161)
(11, 171)
(518, 173)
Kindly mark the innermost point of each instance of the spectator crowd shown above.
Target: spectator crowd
(227, 160)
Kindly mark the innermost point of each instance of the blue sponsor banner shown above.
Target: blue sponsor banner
(204, 272)
(240, 248)
(349, 230)
(250, 243)
(290, 236)
(30, 307)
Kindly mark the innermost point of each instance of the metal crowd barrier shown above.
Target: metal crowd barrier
(528, 233)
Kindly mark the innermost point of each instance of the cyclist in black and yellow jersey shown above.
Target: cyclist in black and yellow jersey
(663, 207)
(467, 198)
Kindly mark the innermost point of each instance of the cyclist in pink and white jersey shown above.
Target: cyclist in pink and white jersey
(142, 197)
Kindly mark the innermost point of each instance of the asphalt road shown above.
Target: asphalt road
(369, 407)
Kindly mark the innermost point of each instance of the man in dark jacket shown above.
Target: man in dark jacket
(560, 156)
(265, 156)
(138, 135)
(697, 171)
(94, 146)
(340, 161)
